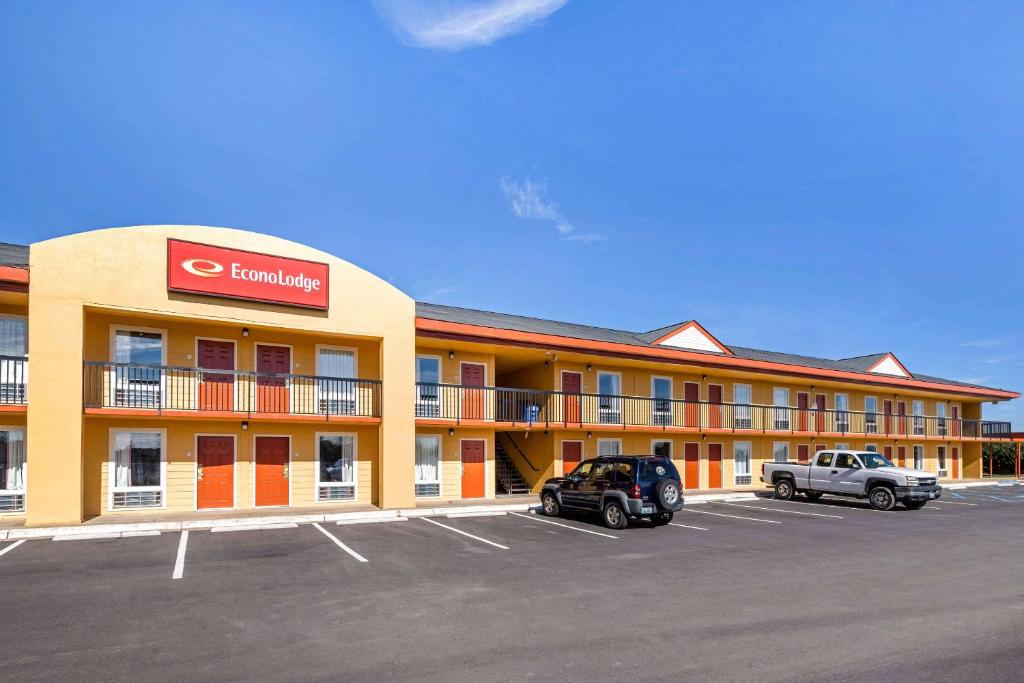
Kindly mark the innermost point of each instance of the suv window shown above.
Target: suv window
(602, 469)
(621, 473)
(846, 461)
(582, 470)
(823, 459)
(652, 469)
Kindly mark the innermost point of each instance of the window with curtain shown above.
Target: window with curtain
(871, 415)
(12, 470)
(780, 398)
(941, 456)
(918, 457)
(742, 397)
(609, 447)
(137, 469)
(428, 376)
(13, 336)
(917, 407)
(336, 369)
(871, 448)
(137, 386)
(13, 368)
(662, 448)
(741, 453)
(940, 418)
(842, 413)
(336, 476)
(661, 391)
(780, 451)
(428, 466)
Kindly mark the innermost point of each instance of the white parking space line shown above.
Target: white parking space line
(687, 526)
(462, 515)
(253, 527)
(535, 518)
(953, 502)
(179, 561)
(788, 512)
(338, 543)
(11, 547)
(719, 514)
(460, 531)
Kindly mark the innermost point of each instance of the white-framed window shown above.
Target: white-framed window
(780, 399)
(336, 385)
(13, 366)
(918, 457)
(609, 447)
(742, 398)
(12, 469)
(872, 448)
(741, 454)
(940, 418)
(428, 466)
(780, 451)
(917, 407)
(842, 406)
(941, 462)
(662, 447)
(842, 446)
(335, 466)
(609, 388)
(661, 406)
(138, 468)
(428, 380)
(870, 415)
(139, 354)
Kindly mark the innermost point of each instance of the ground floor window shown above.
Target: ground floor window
(942, 462)
(871, 448)
(662, 448)
(12, 470)
(428, 465)
(609, 447)
(842, 446)
(780, 451)
(918, 457)
(137, 469)
(741, 462)
(336, 467)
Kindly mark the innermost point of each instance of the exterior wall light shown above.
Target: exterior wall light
(451, 432)
(245, 331)
(245, 425)
(451, 354)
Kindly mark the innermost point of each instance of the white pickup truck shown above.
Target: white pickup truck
(862, 474)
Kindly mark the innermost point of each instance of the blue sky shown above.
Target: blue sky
(831, 179)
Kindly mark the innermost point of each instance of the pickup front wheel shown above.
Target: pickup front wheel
(882, 498)
(784, 489)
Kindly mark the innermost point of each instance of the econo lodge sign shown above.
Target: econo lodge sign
(237, 274)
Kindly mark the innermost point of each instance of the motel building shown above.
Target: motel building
(173, 371)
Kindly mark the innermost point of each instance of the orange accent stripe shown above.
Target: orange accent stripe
(224, 415)
(12, 274)
(14, 409)
(443, 329)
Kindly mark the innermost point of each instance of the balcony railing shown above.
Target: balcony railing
(167, 388)
(455, 402)
(13, 380)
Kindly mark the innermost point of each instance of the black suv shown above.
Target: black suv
(619, 487)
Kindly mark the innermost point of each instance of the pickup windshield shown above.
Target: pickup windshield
(873, 460)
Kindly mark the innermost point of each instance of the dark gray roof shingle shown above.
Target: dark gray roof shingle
(13, 255)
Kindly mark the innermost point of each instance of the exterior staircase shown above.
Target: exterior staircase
(510, 480)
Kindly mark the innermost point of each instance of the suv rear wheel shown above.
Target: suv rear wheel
(549, 503)
(614, 516)
(882, 498)
(784, 489)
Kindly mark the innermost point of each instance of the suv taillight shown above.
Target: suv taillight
(634, 491)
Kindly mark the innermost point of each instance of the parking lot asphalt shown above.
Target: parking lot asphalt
(745, 590)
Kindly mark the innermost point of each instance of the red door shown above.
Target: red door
(819, 447)
(473, 469)
(572, 385)
(819, 413)
(802, 404)
(887, 452)
(691, 396)
(572, 455)
(803, 453)
(956, 462)
(887, 408)
(691, 466)
(714, 465)
(954, 412)
(271, 470)
(472, 375)
(715, 408)
(901, 421)
(272, 394)
(216, 390)
(901, 456)
(215, 463)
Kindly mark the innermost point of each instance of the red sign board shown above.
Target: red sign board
(237, 274)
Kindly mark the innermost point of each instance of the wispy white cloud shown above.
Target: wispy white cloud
(458, 24)
(527, 200)
(986, 343)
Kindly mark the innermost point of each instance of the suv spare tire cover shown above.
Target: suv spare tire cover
(666, 489)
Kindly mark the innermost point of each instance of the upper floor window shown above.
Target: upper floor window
(138, 353)
(917, 407)
(609, 386)
(661, 390)
(13, 336)
(336, 386)
(780, 398)
(940, 418)
(428, 369)
(842, 413)
(335, 362)
(428, 376)
(870, 414)
(742, 397)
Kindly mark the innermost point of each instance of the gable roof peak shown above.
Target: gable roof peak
(688, 335)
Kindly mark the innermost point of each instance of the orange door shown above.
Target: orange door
(714, 408)
(819, 413)
(271, 470)
(572, 383)
(819, 447)
(956, 462)
(802, 404)
(473, 469)
(215, 461)
(954, 412)
(901, 456)
(691, 396)
(714, 465)
(216, 390)
(691, 466)
(473, 399)
(572, 455)
(887, 452)
(803, 453)
(901, 422)
(272, 362)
